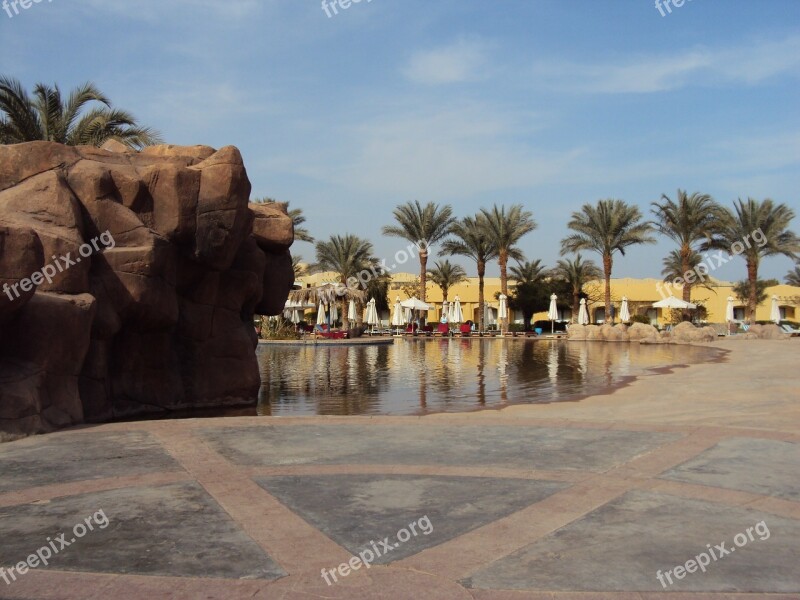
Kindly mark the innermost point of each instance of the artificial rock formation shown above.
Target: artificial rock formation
(147, 269)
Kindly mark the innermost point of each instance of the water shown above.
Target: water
(451, 375)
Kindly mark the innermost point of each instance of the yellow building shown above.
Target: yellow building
(641, 294)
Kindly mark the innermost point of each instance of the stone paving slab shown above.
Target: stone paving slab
(524, 447)
(761, 466)
(622, 545)
(355, 510)
(175, 530)
(61, 457)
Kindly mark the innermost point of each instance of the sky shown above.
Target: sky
(547, 103)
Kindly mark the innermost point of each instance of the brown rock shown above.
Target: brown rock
(159, 314)
(272, 228)
(641, 331)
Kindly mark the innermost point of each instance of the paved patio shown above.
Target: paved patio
(575, 500)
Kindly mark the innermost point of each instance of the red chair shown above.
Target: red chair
(442, 329)
(465, 329)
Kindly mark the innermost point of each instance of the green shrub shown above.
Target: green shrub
(641, 319)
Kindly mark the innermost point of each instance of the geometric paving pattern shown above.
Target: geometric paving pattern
(516, 447)
(764, 467)
(622, 545)
(551, 502)
(355, 510)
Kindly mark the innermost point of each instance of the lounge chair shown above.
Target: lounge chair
(790, 330)
(465, 330)
(442, 330)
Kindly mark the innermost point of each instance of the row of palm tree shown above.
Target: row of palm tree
(695, 222)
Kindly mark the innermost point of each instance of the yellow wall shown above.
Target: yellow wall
(641, 293)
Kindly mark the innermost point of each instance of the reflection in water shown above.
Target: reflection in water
(420, 376)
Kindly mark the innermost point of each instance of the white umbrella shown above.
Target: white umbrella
(397, 314)
(624, 313)
(295, 316)
(414, 303)
(351, 311)
(502, 311)
(775, 313)
(456, 316)
(673, 302)
(729, 313)
(488, 316)
(583, 315)
(334, 313)
(321, 317)
(372, 313)
(552, 313)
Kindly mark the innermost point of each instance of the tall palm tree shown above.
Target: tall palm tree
(577, 273)
(793, 276)
(424, 226)
(472, 240)
(347, 256)
(445, 274)
(771, 222)
(507, 229)
(610, 226)
(297, 216)
(47, 116)
(529, 272)
(689, 221)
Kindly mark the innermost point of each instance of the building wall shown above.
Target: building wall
(641, 294)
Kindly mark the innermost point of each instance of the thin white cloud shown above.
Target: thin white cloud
(748, 64)
(149, 10)
(458, 62)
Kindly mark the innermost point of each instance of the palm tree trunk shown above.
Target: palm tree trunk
(423, 273)
(687, 287)
(607, 264)
(481, 273)
(503, 262)
(576, 304)
(752, 295)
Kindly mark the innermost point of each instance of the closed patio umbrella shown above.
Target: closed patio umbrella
(372, 314)
(583, 314)
(334, 313)
(398, 320)
(322, 318)
(775, 312)
(456, 316)
(552, 313)
(624, 313)
(502, 311)
(729, 313)
(351, 312)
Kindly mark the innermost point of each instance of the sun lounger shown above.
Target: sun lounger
(791, 331)
(442, 330)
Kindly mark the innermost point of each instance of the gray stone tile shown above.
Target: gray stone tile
(750, 465)
(172, 530)
(67, 457)
(622, 545)
(513, 447)
(354, 510)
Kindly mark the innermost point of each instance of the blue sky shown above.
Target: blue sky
(548, 103)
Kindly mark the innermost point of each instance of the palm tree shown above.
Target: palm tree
(445, 274)
(423, 226)
(347, 256)
(793, 276)
(689, 222)
(472, 240)
(611, 226)
(674, 265)
(739, 236)
(297, 216)
(528, 294)
(507, 229)
(299, 267)
(743, 289)
(49, 117)
(577, 273)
